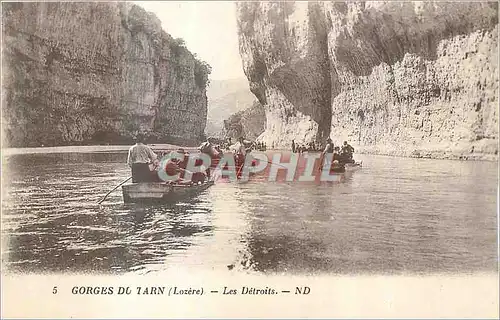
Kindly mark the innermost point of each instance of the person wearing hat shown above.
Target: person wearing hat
(138, 159)
(208, 148)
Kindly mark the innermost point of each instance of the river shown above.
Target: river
(394, 216)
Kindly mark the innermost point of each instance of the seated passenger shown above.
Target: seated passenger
(184, 162)
(198, 177)
(172, 168)
(347, 151)
(337, 167)
(175, 166)
(336, 154)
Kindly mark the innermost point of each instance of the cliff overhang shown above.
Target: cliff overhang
(400, 78)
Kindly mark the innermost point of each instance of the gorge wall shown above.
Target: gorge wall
(225, 98)
(397, 78)
(248, 123)
(77, 73)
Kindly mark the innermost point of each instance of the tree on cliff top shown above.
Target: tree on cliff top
(201, 68)
(201, 72)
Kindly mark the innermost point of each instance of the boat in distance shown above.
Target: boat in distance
(161, 191)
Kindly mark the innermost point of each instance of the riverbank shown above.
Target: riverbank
(482, 150)
(385, 150)
(87, 149)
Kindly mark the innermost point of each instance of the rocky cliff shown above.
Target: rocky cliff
(226, 97)
(97, 72)
(399, 78)
(249, 123)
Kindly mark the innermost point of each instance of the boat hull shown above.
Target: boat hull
(161, 192)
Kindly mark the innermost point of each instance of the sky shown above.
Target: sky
(208, 29)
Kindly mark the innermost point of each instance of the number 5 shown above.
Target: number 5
(54, 291)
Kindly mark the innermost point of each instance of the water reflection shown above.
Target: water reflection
(394, 216)
(382, 221)
(105, 241)
(54, 223)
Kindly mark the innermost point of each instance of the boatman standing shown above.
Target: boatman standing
(139, 158)
(329, 146)
(240, 149)
(243, 146)
(209, 149)
(324, 155)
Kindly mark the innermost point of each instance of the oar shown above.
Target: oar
(277, 164)
(321, 161)
(107, 194)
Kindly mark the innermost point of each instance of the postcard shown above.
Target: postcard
(219, 159)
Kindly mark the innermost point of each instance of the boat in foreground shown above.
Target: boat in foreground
(161, 191)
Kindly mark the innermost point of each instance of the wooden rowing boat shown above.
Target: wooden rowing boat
(161, 192)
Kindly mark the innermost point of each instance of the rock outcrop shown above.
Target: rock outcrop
(77, 73)
(226, 97)
(249, 123)
(399, 78)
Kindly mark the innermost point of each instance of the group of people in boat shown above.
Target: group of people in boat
(340, 155)
(145, 163)
(260, 146)
(227, 145)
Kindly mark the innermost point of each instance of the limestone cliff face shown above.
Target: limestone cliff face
(249, 123)
(400, 78)
(97, 72)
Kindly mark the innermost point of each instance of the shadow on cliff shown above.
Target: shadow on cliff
(389, 31)
(304, 80)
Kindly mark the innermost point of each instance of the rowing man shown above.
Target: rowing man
(243, 146)
(209, 149)
(139, 158)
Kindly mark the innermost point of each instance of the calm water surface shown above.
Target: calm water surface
(396, 215)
